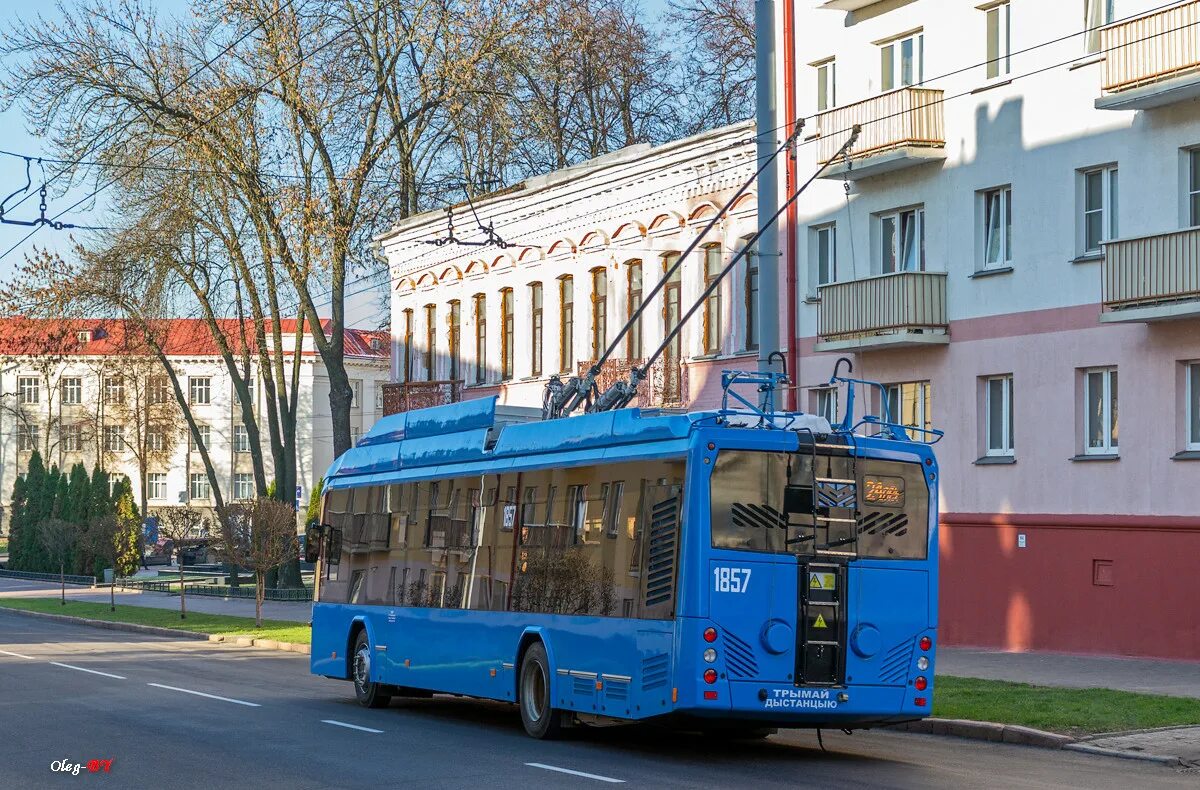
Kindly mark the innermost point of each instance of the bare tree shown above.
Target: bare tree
(101, 540)
(180, 525)
(261, 536)
(719, 62)
(59, 539)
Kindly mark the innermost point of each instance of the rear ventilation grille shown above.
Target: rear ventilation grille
(894, 667)
(584, 686)
(739, 658)
(757, 517)
(878, 523)
(616, 690)
(654, 672)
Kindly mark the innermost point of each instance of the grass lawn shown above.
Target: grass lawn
(3, 545)
(279, 630)
(1069, 711)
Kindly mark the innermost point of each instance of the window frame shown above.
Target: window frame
(1191, 395)
(1003, 199)
(506, 334)
(826, 234)
(826, 93)
(1109, 421)
(113, 390)
(634, 296)
(1108, 210)
(455, 350)
(430, 353)
(480, 372)
(1092, 26)
(998, 65)
(71, 437)
(1008, 447)
(897, 218)
(29, 390)
(199, 482)
(599, 299)
(923, 399)
(243, 485)
(199, 390)
(71, 388)
(537, 327)
(1192, 187)
(892, 79)
(406, 371)
(112, 438)
(241, 439)
(566, 323)
(156, 486)
(712, 330)
(28, 437)
(750, 287)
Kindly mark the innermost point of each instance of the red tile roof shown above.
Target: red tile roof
(179, 337)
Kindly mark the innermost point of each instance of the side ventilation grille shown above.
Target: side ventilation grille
(584, 686)
(616, 690)
(894, 667)
(739, 658)
(654, 672)
(662, 550)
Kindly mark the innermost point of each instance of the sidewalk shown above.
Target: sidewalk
(296, 611)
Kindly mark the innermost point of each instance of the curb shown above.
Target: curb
(1087, 748)
(988, 731)
(239, 641)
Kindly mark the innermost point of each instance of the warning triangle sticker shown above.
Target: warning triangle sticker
(820, 622)
(814, 581)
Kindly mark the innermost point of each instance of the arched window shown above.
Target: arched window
(406, 373)
(672, 309)
(455, 349)
(430, 341)
(480, 339)
(535, 304)
(566, 323)
(712, 303)
(506, 333)
(750, 289)
(633, 300)
(599, 311)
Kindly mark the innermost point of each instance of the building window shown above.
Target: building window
(902, 62)
(114, 389)
(114, 438)
(566, 323)
(243, 485)
(1099, 216)
(27, 437)
(826, 85)
(241, 439)
(599, 311)
(199, 390)
(156, 485)
(506, 333)
(750, 288)
(430, 341)
(455, 340)
(909, 404)
(997, 227)
(999, 25)
(827, 403)
(1192, 386)
(633, 293)
(998, 411)
(198, 487)
(83, 337)
(825, 242)
(1096, 14)
(72, 438)
(480, 338)
(406, 372)
(29, 390)
(72, 390)
(158, 390)
(156, 438)
(902, 241)
(205, 432)
(712, 302)
(536, 327)
(1100, 411)
(1193, 195)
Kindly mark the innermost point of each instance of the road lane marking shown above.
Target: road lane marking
(93, 671)
(349, 726)
(202, 694)
(597, 777)
(18, 655)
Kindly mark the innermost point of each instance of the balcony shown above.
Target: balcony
(1152, 61)
(903, 128)
(1152, 278)
(897, 310)
(419, 395)
(665, 387)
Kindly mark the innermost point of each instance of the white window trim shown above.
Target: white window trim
(1003, 60)
(918, 39)
(826, 72)
(27, 386)
(1004, 228)
(1109, 223)
(1107, 447)
(895, 215)
(1189, 442)
(1006, 427)
(1191, 188)
(156, 486)
(895, 400)
(818, 230)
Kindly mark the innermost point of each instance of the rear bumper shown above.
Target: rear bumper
(788, 705)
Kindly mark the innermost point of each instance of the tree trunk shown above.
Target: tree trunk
(259, 594)
(112, 592)
(62, 580)
(182, 594)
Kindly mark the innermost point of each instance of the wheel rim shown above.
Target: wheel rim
(362, 668)
(534, 691)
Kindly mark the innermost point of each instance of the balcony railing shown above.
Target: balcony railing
(1152, 271)
(666, 386)
(407, 396)
(884, 310)
(1151, 48)
(908, 117)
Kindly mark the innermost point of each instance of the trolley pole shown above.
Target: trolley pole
(767, 128)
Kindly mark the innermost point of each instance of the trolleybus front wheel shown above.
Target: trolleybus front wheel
(368, 693)
(541, 719)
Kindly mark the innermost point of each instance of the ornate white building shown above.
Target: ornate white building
(572, 255)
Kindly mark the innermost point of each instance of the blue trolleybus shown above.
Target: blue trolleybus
(740, 569)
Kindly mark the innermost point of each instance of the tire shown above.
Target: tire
(541, 719)
(368, 693)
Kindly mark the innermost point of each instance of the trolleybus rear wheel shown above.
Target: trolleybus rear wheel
(541, 719)
(368, 693)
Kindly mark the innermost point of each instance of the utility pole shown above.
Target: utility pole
(767, 128)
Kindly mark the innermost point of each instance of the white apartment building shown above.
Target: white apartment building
(72, 392)
(1013, 246)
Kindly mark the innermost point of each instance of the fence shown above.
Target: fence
(902, 300)
(1151, 48)
(1152, 269)
(905, 117)
(90, 581)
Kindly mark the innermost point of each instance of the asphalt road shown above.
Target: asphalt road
(189, 714)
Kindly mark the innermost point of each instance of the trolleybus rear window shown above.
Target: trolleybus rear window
(777, 502)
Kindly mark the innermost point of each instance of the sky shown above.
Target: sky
(363, 310)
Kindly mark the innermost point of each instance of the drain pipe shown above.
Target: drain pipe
(767, 123)
(792, 341)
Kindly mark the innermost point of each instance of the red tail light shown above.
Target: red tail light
(710, 634)
(919, 702)
(925, 643)
(710, 676)
(710, 695)
(920, 684)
